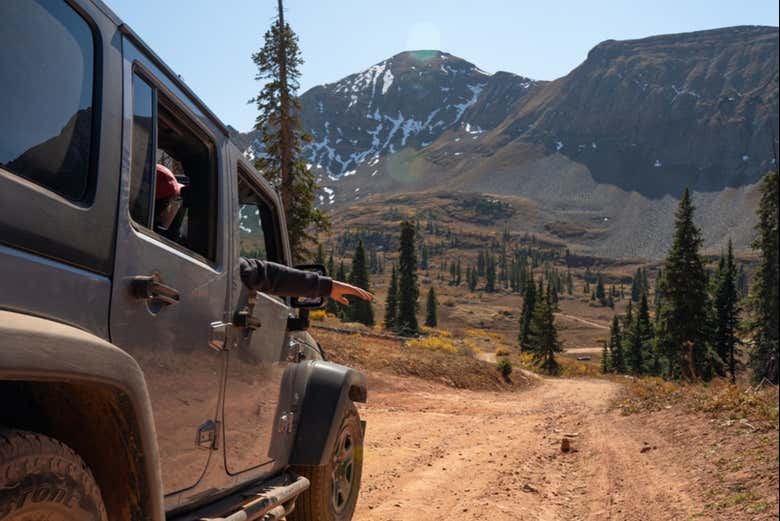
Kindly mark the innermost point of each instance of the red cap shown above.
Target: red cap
(167, 185)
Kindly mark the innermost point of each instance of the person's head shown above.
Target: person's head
(167, 197)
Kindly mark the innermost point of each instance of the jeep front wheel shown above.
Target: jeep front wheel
(43, 479)
(334, 488)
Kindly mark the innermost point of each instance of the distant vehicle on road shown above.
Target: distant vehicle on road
(584, 358)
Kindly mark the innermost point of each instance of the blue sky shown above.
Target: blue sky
(210, 43)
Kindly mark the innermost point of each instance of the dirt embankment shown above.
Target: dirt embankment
(437, 453)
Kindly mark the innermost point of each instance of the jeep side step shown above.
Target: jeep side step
(269, 501)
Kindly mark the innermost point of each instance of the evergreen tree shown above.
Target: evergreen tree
(473, 278)
(543, 337)
(634, 347)
(606, 365)
(341, 274)
(391, 303)
(643, 318)
(360, 310)
(726, 313)
(616, 346)
(629, 318)
(424, 257)
(490, 274)
(331, 306)
(282, 135)
(408, 292)
(601, 296)
(430, 309)
(458, 273)
(526, 313)
(683, 319)
(319, 258)
(765, 297)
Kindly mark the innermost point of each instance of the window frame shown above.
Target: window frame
(275, 250)
(202, 132)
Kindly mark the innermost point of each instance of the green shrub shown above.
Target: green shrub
(504, 366)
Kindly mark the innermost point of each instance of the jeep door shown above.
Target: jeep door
(256, 365)
(170, 282)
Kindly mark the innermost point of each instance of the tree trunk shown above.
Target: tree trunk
(286, 184)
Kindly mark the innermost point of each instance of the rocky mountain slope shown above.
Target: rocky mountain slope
(604, 148)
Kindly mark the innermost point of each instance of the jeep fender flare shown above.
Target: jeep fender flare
(328, 391)
(37, 351)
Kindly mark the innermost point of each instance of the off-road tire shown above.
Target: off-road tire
(42, 479)
(317, 504)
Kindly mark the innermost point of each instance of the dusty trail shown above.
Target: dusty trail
(582, 321)
(434, 453)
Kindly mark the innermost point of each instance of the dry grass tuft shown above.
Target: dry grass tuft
(718, 398)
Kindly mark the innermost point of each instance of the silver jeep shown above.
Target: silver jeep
(139, 379)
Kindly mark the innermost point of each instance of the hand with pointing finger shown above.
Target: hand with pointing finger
(340, 290)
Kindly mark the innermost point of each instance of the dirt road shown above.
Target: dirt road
(434, 453)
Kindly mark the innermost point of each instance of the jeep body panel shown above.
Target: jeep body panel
(47, 288)
(33, 349)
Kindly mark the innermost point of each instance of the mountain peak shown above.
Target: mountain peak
(430, 59)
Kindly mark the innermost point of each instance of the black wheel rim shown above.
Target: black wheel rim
(343, 472)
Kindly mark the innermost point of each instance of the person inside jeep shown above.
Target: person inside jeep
(167, 202)
(259, 275)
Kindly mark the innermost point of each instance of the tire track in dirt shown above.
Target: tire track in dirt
(445, 454)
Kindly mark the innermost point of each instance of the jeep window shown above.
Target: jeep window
(163, 134)
(47, 60)
(256, 223)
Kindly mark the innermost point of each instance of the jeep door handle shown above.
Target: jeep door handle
(149, 287)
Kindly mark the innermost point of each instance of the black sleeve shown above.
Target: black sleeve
(277, 279)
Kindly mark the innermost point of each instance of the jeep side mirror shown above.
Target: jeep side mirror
(307, 302)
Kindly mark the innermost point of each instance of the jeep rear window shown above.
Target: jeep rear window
(46, 61)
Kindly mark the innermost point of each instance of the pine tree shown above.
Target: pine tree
(726, 313)
(643, 318)
(319, 258)
(282, 135)
(408, 292)
(360, 310)
(430, 309)
(543, 337)
(473, 278)
(391, 303)
(424, 257)
(526, 313)
(331, 306)
(601, 296)
(765, 297)
(634, 348)
(341, 274)
(606, 365)
(683, 319)
(616, 346)
(629, 318)
(490, 274)
(458, 273)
